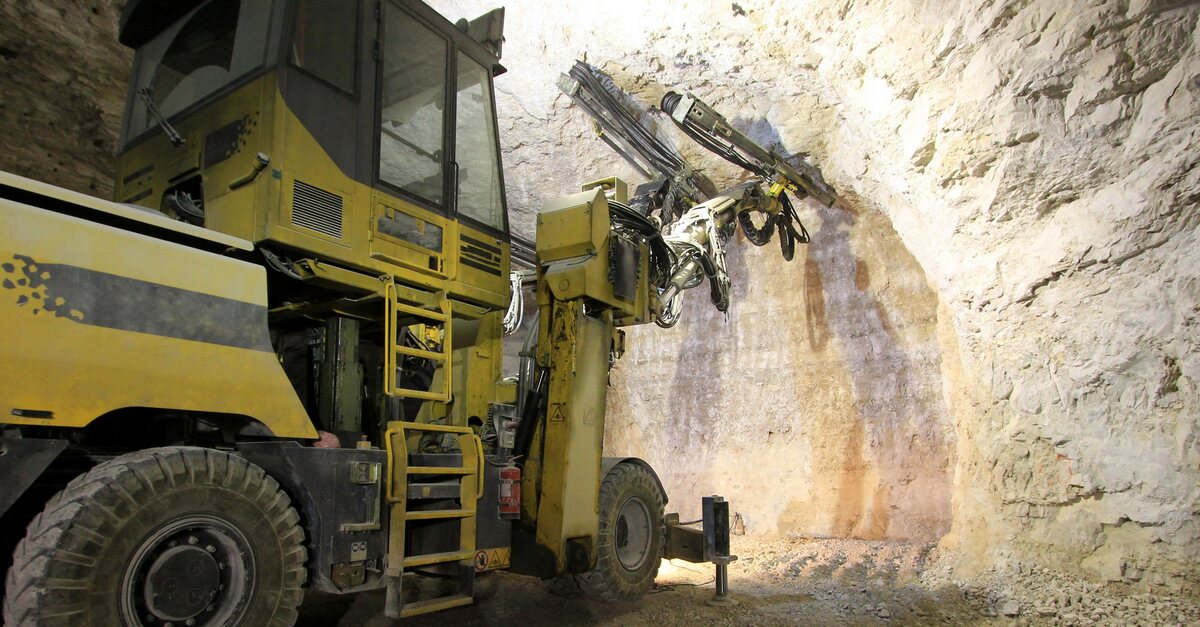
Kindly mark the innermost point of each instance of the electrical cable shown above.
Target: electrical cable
(634, 140)
(515, 314)
(667, 587)
(662, 258)
(284, 267)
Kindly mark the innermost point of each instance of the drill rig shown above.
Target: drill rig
(275, 362)
(693, 224)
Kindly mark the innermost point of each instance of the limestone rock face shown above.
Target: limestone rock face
(63, 78)
(1016, 361)
(991, 342)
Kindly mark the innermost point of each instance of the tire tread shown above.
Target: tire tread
(37, 595)
(602, 583)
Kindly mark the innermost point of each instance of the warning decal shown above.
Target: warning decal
(492, 559)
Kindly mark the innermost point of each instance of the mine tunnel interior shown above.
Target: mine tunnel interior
(971, 396)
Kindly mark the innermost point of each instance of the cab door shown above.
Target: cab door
(412, 205)
(322, 88)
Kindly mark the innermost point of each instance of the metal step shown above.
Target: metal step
(439, 513)
(440, 470)
(437, 558)
(418, 491)
(435, 605)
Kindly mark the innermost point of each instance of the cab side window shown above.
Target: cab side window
(325, 41)
(475, 149)
(413, 107)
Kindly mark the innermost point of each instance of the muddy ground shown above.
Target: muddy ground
(797, 582)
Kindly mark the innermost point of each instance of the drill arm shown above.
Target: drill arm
(690, 227)
(697, 240)
(711, 130)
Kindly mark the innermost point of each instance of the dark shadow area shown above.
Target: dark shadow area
(814, 307)
(699, 376)
(900, 425)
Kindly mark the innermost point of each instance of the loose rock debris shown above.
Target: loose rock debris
(800, 582)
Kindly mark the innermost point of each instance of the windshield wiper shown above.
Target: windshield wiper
(173, 136)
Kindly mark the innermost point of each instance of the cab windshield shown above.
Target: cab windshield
(205, 50)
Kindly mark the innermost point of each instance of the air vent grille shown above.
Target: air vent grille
(316, 209)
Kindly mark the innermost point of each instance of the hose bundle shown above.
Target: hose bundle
(628, 135)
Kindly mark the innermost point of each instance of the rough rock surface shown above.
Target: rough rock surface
(799, 582)
(992, 343)
(63, 79)
(1036, 160)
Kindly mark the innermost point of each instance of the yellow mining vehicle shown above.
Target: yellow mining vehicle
(276, 361)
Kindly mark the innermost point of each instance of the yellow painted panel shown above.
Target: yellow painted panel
(81, 372)
(50, 237)
(98, 319)
(103, 206)
(574, 426)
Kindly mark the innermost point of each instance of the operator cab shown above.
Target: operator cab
(362, 134)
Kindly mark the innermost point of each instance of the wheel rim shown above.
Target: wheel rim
(633, 534)
(194, 571)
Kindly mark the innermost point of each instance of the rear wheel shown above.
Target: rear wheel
(169, 536)
(630, 542)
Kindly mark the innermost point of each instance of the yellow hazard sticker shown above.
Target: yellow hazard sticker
(492, 559)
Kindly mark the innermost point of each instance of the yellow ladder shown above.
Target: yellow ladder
(438, 318)
(405, 485)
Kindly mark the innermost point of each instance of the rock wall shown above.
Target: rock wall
(1041, 167)
(63, 79)
(991, 342)
(1025, 339)
(815, 405)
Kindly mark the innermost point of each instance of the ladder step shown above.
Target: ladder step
(435, 514)
(440, 470)
(434, 605)
(438, 558)
(418, 491)
(423, 354)
(428, 314)
(419, 394)
(429, 426)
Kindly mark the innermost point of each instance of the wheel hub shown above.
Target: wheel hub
(633, 534)
(194, 571)
(181, 583)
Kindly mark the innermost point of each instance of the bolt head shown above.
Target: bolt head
(210, 548)
(193, 540)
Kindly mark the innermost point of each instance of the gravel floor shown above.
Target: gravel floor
(801, 582)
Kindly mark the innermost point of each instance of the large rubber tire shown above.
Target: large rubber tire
(630, 543)
(118, 543)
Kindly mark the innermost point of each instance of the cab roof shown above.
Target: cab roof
(143, 19)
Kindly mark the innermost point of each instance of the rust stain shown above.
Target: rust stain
(814, 304)
(862, 275)
(849, 505)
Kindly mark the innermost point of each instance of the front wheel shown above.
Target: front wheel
(630, 542)
(168, 536)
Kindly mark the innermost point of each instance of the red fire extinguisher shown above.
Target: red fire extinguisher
(510, 491)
